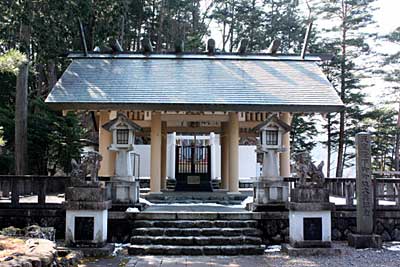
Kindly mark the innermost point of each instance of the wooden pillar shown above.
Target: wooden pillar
(233, 152)
(284, 158)
(224, 157)
(21, 120)
(164, 134)
(155, 164)
(107, 165)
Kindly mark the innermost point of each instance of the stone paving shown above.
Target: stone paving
(387, 257)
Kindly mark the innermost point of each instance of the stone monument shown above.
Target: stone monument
(87, 207)
(270, 190)
(125, 185)
(309, 211)
(364, 238)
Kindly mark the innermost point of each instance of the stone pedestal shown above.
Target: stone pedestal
(310, 221)
(125, 190)
(270, 195)
(86, 216)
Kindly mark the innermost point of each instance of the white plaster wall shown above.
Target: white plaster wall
(144, 152)
(100, 222)
(247, 160)
(296, 229)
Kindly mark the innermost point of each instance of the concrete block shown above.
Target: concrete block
(365, 241)
(303, 252)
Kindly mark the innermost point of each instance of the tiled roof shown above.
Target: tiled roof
(194, 83)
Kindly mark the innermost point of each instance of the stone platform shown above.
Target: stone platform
(218, 197)
(365, 241)
(304, 252)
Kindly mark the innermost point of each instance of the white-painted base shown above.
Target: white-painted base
(100, 224)
(296, 224)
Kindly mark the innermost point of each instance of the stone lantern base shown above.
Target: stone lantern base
(270, 195)
(125, 190)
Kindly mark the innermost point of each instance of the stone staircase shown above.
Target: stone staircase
(199, 233)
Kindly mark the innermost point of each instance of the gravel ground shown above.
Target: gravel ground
(387, 257)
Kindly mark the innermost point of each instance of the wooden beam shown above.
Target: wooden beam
(190, 117)
(194, 129)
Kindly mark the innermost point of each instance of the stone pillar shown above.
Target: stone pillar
(365, 201)
(224, 157)
(284, 158)
(213, 155)
(171, 160)
(107, 167)
(233, 152)
(164, 154)
(365, 222)
(155, 164)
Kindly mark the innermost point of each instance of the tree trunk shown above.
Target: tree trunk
(160, 26)
(397, 152)
(329, 145)
(21, 122)
(339, 166)
(51, 74)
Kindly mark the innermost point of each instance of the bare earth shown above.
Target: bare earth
(349, 257)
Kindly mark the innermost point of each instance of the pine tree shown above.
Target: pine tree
(351, 16)
(393, 77)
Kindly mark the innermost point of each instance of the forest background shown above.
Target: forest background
(364, 69)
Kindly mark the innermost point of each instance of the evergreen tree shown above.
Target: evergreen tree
(349, 41)
(303, 133)
(382, 124)
(392, 76)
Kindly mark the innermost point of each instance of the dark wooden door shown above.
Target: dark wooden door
(193, 168)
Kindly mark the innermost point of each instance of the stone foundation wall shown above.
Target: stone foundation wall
(21, 218)
(276, 231)
(274, 225)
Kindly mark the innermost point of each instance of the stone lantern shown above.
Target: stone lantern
(270, 188)
(125, 184)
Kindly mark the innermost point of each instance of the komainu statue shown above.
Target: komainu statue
(90, 165)
(307, 171)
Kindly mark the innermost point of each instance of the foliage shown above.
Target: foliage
(10, 61)
(260, 22)
(303, 133)
(347, 43)
(2, 142)
(383, 126)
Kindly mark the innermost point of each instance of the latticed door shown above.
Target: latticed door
(193, 167)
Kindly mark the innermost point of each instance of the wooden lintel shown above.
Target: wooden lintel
(249, 124)
(194, 118)
(205, 130)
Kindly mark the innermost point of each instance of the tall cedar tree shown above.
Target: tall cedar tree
(351, 16)
(393, 77)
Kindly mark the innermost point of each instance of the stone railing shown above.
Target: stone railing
(386, 190)
(31, 190)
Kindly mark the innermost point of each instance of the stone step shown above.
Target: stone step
(195, 250)
(196, 224)
(159, 231)
(168, 216)
(195, 240)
